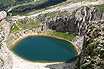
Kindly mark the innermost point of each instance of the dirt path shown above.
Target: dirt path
(71, 7)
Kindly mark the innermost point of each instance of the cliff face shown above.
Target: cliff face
(5, 55)
(92, 56)
(78, 23)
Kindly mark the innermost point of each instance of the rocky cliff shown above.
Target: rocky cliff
(78, 23)
(5, 55)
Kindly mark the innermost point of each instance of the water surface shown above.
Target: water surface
(43, 48)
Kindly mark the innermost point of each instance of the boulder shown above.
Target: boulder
(103, 15)
(3, 15)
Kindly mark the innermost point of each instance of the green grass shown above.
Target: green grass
(29, 25)
(100, 7)
(35, 10)
(55, 14)
(62, 35)
(26, 8)
(15, 29)
(0, 44)
(29, 7)
(2, 62)
(4, 4)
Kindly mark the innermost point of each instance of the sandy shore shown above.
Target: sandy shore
(19, 63)
(22, 64)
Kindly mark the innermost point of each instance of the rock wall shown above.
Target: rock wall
(78, 23)
(5, 54)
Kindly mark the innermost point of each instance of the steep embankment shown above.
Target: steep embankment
(5, 55)
(92, 55)
(74, 23)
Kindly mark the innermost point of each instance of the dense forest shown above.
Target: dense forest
(4, 4)
(34, 6)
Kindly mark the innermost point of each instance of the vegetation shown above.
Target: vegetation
(94, 50)
(28, 23)
(0, 44)
(91, 49)
(1, 62)
(58, 14)
(52, 15)
(14, 28)
(62, 35)
(26, 8)
(8, 3)
(39, 5)
(100, 7)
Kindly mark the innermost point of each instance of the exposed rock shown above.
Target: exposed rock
(103, 16)
(96, 14)
(76, 24)
(5, 54)
(3, 15)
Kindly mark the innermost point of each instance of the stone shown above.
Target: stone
(3, 15)
(96, 14)
(76, 24)
(102, 15)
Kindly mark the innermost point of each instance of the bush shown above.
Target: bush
(91, 48)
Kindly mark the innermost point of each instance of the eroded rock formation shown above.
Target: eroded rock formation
(78, 23)
(5, 55)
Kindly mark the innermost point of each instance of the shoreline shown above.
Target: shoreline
(29, 35)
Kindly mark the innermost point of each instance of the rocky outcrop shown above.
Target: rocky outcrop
(78, 23)
(3, 15)
(91, 55)
(5, 54)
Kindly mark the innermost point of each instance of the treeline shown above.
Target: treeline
(34, 6)
(4, 4)
(23, 8)
(49, 3)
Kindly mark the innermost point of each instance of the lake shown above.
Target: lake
(44, 49)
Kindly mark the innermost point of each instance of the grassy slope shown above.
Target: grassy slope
(62, 35)
(15, 29)
(8, 3)
(26, 8)
(29, 25)
(1, 62)
(38, 6)
(100, 7)
(35, 6)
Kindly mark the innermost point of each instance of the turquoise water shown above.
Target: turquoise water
(43, 48)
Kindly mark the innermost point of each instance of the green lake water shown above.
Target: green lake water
(44, 48)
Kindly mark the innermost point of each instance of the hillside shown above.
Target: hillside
(92, 56)
(4, 4)
(81, 24)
